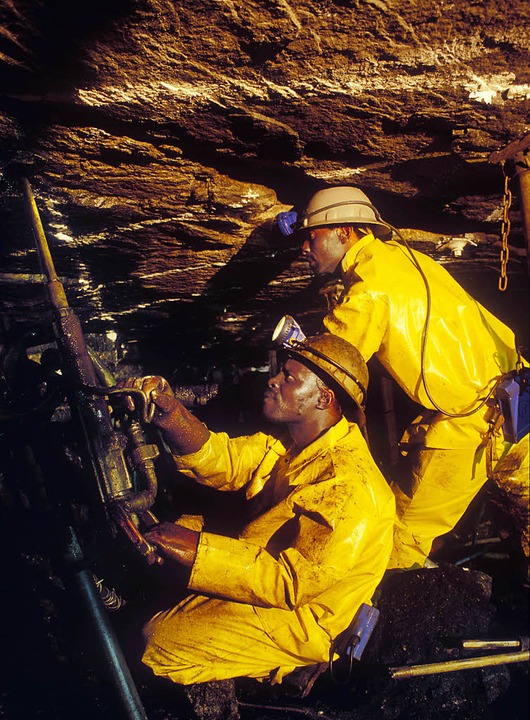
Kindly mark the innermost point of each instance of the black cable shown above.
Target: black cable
(425, 335)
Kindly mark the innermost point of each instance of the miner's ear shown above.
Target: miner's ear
(326, 399)
(347, 233)
(343, 233)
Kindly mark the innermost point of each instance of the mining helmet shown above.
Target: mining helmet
(336, 358)
(342, 205)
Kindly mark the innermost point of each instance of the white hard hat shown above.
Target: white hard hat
(342, 205)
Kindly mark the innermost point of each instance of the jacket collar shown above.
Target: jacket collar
(349, 260)
(318, 447)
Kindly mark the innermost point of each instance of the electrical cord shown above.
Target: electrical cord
(423, 350)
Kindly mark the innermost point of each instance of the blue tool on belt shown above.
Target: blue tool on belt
(350, 644)
(359, 631)
(513, 395)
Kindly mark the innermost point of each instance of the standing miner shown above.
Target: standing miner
(444, 349)
(315, 542)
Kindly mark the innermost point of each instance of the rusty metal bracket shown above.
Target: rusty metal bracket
(125, 522)
(510, 151)
(146, 408)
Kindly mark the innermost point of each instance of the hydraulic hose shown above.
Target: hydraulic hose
(117, 667)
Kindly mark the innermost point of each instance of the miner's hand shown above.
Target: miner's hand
(158, 393)
(174, 542)
(183, 432)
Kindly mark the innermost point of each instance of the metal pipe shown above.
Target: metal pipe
(143, 456)
(398, 673)
(105, 446)
(522, 170)
(118, 670)
(55, 288)
(389, 416)
(491, 644)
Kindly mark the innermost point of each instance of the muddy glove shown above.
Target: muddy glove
(182, 431)
(174, 542)
(158, 397)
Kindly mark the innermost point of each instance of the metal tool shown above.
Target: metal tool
(520, 655)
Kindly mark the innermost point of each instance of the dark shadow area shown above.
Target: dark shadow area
(45, 41)
(448, 176)
(191, 340)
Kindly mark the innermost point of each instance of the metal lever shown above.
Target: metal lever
(124, 521)
(146, 407)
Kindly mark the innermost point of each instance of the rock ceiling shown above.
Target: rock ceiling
(161, 139)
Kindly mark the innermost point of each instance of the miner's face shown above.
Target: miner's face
(323, 248)
(292, 395)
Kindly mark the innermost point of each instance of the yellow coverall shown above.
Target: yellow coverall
(274, 598)
(383, 312)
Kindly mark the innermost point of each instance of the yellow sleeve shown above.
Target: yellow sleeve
(361, 319)
(225, 463)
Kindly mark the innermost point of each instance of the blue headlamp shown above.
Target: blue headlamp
(286, 222)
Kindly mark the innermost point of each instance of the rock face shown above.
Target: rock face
(162, 139)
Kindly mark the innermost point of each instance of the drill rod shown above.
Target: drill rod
(398, 673)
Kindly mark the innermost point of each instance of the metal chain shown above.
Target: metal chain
(505, 230)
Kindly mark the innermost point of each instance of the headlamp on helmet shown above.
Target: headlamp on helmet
(338, 359)
(287, 222)
(288, 333)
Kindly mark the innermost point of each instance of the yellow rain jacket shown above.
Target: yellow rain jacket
(315, 548)
(383, 312)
